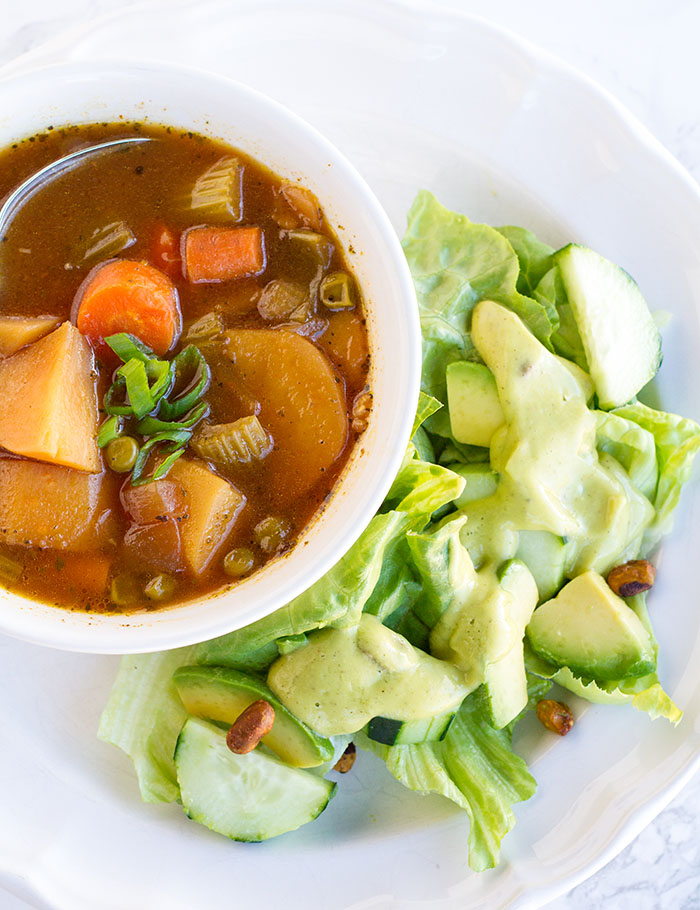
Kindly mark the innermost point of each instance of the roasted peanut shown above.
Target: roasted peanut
(632, 577)
(250, 727)
(555, 716)
(361, 407)
(346, 760)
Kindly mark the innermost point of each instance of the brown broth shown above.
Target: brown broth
(148, 187)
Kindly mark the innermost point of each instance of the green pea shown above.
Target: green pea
(160, 588)
(121, 454)
(270, 533)
(239, 562)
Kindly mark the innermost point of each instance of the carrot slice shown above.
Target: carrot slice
(127, 296)
(213, 254)
(165, 251)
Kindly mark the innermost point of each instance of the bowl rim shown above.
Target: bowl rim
(80, 631)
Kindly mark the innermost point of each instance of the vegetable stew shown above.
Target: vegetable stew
(184, 359)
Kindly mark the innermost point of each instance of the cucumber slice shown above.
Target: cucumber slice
(472, 398)
(481, 481)
(222, 694)
(404, 733)
(619, 335)
(245, 797)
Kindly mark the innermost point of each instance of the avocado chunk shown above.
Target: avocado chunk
(472, 398)
(592, 631)
(545, 555)
(619, 335)
(483, 635)
(505, 678)
(245, 797)
(222, 694)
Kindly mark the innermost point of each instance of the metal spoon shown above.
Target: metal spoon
(19, 196)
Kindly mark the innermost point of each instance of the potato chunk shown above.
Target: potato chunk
(18, 331)
(302, 404)
(50, 410)
(213, 505)
(44, 505)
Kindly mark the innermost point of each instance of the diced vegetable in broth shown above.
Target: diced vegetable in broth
(213, 507)
(43, 505)
(217, 193)
(302, 404)
(50, 411)
(156, 546)
(212, 254)
(175, 461)
(18, 331)
(230, 443)
(345, 340)
(304, 203)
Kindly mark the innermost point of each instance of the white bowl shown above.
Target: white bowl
(226, 110)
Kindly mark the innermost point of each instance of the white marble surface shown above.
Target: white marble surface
(646, 53)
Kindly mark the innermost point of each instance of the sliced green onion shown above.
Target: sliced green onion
(217, 193)
(137, 387)
(336, 291)
(115, 400)
(129, 347)
(110, 429)
(192, 374)
(206, 328)
(161, 376)
(149, 426)
(233, 443)
(173, 442)
(107, 241)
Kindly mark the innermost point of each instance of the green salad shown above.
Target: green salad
(512, 552)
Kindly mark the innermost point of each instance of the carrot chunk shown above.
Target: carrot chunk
(127, 296)
(212, 254)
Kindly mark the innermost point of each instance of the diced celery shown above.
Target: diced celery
(217, 194)
(106, 242)
(233, 443)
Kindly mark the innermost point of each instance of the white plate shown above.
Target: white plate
(414, 97)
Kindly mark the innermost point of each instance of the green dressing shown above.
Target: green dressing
(343, 678)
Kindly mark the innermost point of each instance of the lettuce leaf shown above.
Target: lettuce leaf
(566, 340)
(644, 694)
(534, 259)
(144, 716)
(454, 264)
(475, 767)
(632, 446)
(677, 442)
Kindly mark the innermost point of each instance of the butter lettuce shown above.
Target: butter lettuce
(455, 264)
(677, 442)
(144, 716)
(475, 767)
